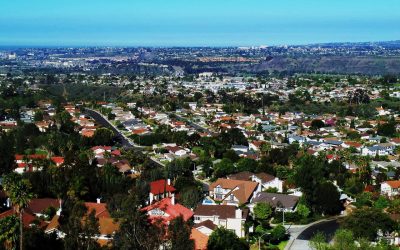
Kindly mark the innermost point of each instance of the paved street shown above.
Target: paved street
(126, 142)
(300, 235)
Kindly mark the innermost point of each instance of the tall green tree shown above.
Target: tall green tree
(224, 239)
(365, 223)
(19, 192)
(179, 235)
(9, 232)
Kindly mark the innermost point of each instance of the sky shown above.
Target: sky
(196, 22)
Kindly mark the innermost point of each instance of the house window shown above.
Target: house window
(197, 218)
(232, 197)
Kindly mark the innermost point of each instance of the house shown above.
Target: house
(176, 150)
(234, 192)
(200, 239)
(160, 189)
(266, 181)
(107, 225)
(206, 227)
(280, 202)
(166, 210)
(375, 150)
(240, 149)
(226, 216)
(37, 207)
(390, 188)
(296, 138)
(256, 145)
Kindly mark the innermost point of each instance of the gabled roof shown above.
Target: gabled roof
(173, 210)
(265, 177)
(244, 189)
(107, 226)
(53, 225)
(58, 159)
(37, 206)
(275, 200)
(243, 176)
(393, 184)
(223, 211)
(200, 239)
(99, 208)
(207, 223)
(158, 187)
(27, 218)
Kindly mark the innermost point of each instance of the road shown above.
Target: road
(121, 138)
(300, 236)
(194, 125)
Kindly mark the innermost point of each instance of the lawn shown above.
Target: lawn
(281, 245)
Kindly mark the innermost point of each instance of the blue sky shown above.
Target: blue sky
(196, 22)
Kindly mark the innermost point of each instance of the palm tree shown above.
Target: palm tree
(9, 227)
(19, 192)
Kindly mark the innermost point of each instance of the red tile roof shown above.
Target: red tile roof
(27, 218)
(173, 210)
(36, 206)
(393, 184)
(200, 239)
(58, 160)
(99, 208)
(158, 187)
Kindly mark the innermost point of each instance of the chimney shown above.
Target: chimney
(60, 208)
(98, 200)
(151, 198)
(238, 213)
(169, 181)
(173, 199)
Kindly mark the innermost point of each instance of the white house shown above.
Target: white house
(390, 188)
(225, 216)
(268, 181)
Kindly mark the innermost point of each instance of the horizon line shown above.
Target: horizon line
(188, 46)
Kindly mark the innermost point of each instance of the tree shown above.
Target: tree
(381, 203)
(223, 168)
(278, 233)
(246, 164)
(38, 116)
(303, 210)
(19, 192)
(344, 239)
(309, 172)
(190, 196)
(7, 153)
(80, 228)
(317, 124)
(37, 239)
(136, 230)
(318, 242)
(224, 239)
(231, 155)
(262, 211)
(103, 136)
(9, 233)
(387, 129)
(179, 235)
(365, 223)
(327, 199)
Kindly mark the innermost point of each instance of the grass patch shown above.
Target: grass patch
(281, 246)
